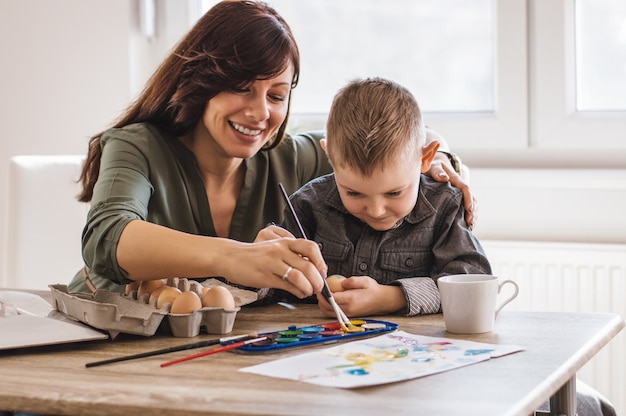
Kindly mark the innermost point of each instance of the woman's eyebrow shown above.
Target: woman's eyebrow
(278, 84)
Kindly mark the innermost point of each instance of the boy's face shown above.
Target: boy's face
(383, 199)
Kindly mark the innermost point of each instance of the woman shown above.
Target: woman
(186, 178)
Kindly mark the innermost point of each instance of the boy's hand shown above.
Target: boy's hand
(272, 232)
(363, 296)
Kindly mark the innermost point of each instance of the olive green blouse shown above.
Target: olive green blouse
(147, 175)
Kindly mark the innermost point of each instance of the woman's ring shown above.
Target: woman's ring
(286, 275)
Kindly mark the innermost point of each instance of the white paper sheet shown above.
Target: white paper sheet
(384, 359)
(28, 320)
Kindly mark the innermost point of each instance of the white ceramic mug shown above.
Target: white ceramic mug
(469, 301)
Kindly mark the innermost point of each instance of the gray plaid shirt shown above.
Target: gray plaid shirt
(433, 240)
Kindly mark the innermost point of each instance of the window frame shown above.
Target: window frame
(507, 126)
(555, 122)
(534, 122)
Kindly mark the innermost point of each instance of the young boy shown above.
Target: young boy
(377, 218)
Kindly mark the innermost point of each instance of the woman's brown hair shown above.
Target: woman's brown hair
(231, 46)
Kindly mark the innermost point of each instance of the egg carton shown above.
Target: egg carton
(118, 313)
(214, 320)
(108, 311)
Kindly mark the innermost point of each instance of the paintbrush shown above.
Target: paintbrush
(293, 211)
(226, 347)
(184, 347)
(346, 325)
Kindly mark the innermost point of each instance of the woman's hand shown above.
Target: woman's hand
(441, 171)
(149, 251)
(362, 296)
(291, 264)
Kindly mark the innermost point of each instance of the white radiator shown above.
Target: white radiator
(572, 277)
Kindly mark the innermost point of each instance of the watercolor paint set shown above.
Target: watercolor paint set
(324, 333)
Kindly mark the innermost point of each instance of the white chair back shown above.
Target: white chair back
(45, 221)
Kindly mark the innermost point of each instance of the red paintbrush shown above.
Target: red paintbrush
(227, 347)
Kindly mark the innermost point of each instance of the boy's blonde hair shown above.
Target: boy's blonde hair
(372, 123)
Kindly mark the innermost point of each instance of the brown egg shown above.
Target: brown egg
(147, 286)
(130, 287)
(166, 295)
(218, 297)
(186, 302)
(334, 283)
(154, 295)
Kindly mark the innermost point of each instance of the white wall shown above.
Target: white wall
(560, 205)
(69, 67)
(64, 76)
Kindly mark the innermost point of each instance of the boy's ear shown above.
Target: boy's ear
(323, 144)
(428, 154)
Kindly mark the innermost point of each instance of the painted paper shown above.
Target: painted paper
(383, 359)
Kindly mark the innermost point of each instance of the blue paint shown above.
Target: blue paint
(357, 372)
(312, 329)
(478, 352)
(422, 359)
(421, 348)
(309, 336)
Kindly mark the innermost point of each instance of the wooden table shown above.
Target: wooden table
(54, 379)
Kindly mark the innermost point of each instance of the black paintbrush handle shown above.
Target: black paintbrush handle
(293, 211)
(325, 290)
(198, 344)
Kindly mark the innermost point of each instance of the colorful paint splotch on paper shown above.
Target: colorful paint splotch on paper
(384, 359)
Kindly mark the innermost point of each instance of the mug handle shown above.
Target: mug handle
(510, 298)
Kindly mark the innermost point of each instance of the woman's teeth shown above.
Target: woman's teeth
(244, 130)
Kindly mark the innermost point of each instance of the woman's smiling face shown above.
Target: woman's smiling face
(241, 122)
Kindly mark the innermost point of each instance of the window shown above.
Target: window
(442, 51)
(572, 84)
(447, 52)
(501, 79)
(600, 55)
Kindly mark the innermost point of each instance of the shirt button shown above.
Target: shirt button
(321, 246)
(363, 267)
(408, 262)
